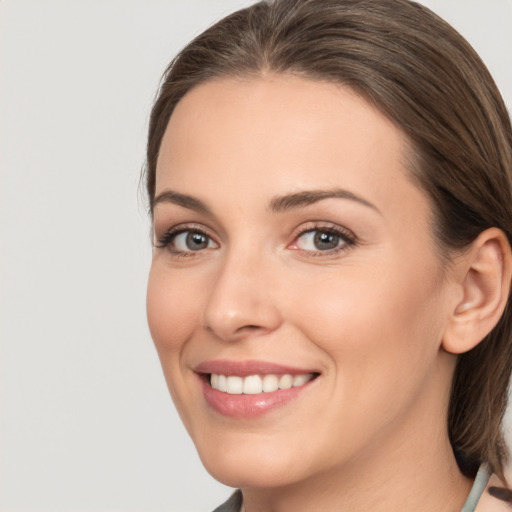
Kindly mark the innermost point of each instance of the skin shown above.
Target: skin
(370, 432)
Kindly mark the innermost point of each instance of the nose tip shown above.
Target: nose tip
(232, 326)
(241, 306)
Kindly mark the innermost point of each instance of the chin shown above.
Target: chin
(254, 468)
(249, 476)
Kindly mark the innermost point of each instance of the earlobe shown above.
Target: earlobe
(485, 279)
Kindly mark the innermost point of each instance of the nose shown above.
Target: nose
(242, 302)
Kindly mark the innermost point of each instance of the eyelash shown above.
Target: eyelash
(166, 240)
(346, 236)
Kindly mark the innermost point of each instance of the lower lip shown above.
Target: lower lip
(249, 406)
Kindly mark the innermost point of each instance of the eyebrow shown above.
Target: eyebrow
(307, 197)
(184, 200)
(277, 204)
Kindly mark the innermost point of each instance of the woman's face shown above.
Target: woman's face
(292, 249)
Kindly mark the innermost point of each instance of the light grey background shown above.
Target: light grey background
(86, 422)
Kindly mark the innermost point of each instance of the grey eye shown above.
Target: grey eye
(324, 241)
(192, 241)
(316, 240)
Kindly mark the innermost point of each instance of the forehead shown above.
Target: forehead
(275, 134)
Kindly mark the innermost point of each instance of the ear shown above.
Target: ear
(483, 275)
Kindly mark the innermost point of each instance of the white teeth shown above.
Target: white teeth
(270, 383)
(222, 384)
(286, 382)
(234, 385)
(255, 384)
(300, 380)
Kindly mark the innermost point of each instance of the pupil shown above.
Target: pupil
(325, 241)
(196, 241)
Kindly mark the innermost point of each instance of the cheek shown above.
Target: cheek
(172, 318)
(171, 310)
(378, 332)
(378, 321)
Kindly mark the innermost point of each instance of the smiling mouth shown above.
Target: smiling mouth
(256, 384)
(245, 390)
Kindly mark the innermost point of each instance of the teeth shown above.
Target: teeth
(222, 384)
(270, 383)
(300, 380)
(252, 385)
(255, 384)
(234, 385)
(286, 382)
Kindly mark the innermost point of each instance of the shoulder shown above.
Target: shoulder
(495, 498)
(234, 504)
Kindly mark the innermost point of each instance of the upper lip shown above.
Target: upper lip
(246, 368)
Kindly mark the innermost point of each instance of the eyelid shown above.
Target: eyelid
(163, 241)
(347, 235)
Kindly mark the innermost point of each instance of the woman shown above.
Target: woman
(331, 192)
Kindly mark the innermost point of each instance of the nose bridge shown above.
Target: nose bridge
(241, 299)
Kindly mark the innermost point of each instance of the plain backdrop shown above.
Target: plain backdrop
(86, 422)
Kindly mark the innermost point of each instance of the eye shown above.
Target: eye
(319, 241)
(323, 240)
(181, 241)
(192, 241)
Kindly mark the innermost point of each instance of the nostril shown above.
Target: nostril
(231, 317)
(250, 329)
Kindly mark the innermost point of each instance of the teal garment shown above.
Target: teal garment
(234, 504)
(479, 485)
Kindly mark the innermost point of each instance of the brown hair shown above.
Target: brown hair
(426, 78)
